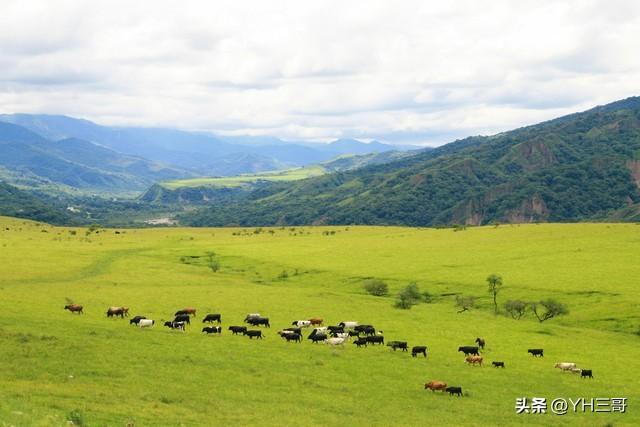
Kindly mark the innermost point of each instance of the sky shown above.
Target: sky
(417, 72)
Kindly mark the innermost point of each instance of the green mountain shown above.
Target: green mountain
(23, 204)
(578, 167)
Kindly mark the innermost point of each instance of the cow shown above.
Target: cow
(320, 330)
(481, 342)
(237, 329)
(210, 318)
(252, 334)
(258, 321)
(473, 360)
(348, 324)
(565, 366)
(315, 321)
(118, 311)
(360, 342)
(469, 349)
(74, 308)
(398, 345)
(536, 352)
(146, 323)
(353, 333)
(333, 342)
(296, 330)
(454, 390)
(420, 349)
(586, 373)
(498, 364)
(317, 337)
(292, 337)
(251, 316)
(376, 339)
(136, 319)
(301, 323)
(335, 328)
(343, 335)
(188, 310)
(183, 318)
(175, 325)
(212, 330)
(435, 385)
(365, 329)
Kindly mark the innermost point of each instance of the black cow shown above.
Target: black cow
(175, 325)
(584, 373)
(136, 319)
(360, 342)
(353, 333)
(536, 352)
(258, 321)
(335, 329)
(365, 329)
(317, 337)
(212, 329)
(398, 345)
(210, 318)
(376, 339)
(469, 349)
(498, 364)
(481, 342)
(238, 329)
(251, 334)
(454, 390)
(415, 351)
(294, 330)
(292, 337)
(183, 318)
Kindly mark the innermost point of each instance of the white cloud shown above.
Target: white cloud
(410, 71)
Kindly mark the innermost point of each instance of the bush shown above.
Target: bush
(427, 297)
(376, 287)
(515, 308)
(408, 297)
(76, 417)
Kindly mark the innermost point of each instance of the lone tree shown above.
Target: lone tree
(516, 308)
(495, 283)
(213, 263)
(465, 303)
(408, 297)
(551, 307)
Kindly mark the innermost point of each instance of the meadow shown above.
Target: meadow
(57, 366)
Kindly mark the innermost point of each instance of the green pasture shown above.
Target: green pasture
(58, 366)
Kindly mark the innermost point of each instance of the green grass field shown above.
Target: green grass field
(56, 364)
(246, 179)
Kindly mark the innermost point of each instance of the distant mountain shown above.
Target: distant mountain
(585, 166)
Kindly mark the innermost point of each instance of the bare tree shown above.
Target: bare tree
(465, 303)
(552, 308)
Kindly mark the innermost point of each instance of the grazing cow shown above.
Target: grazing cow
(360, 342)
(210, 318)
(343, 335)
(118, 311)
(292, 337)
(353, 333)
(296, 330)
(315, 321)
(335, 341)
(473, 360)
(365, 329)
(251, 316)
(481, 342)
(435, 385)
(285, 332)
(301, 323)
(188, 310)
(212, 330)
(146, 323)
(335, 328)
(469, 349)
(398, 345)
(74, 308)
(536, 352)
(238, 329)
(258, 321)
(498, 364)
(376, 339)
(321, 330)
(252, 334)
(175, 325)
(454, 390)
(183, 318)
(317, 337)
(586, 373)
(420, 349)
(565, 366)
(348, 325)
(136, 319)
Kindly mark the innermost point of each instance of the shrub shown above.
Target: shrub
(76, 417)
(551, 307)
(408, 297)
(376, 287)
(515, 308)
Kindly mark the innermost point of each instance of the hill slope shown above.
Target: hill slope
(581, 166)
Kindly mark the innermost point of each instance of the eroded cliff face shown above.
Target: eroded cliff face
(634, 167)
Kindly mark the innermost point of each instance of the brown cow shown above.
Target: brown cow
(435, 385)
(316, 321)
(188, 310)
(118, 311)
(74, 308)
(472, 360)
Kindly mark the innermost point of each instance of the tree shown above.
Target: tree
(552, 308)
(214, 265)
(408, 297)
(516, 308)
(376, 287)
(465, 303)
(495, 283)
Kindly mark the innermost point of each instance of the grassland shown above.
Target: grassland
(112, 374)
(247, 179)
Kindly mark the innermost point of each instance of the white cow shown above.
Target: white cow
(333, 342)
(302, 323)
(145, 323)
(252, 316)
(348, 325)
(565, 366)
(343, 335)
(320, 330)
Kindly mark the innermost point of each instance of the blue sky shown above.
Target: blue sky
(400, 71)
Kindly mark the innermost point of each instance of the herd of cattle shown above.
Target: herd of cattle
(332, 335)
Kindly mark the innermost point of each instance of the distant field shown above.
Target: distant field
(237, 181)
(110, 373)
